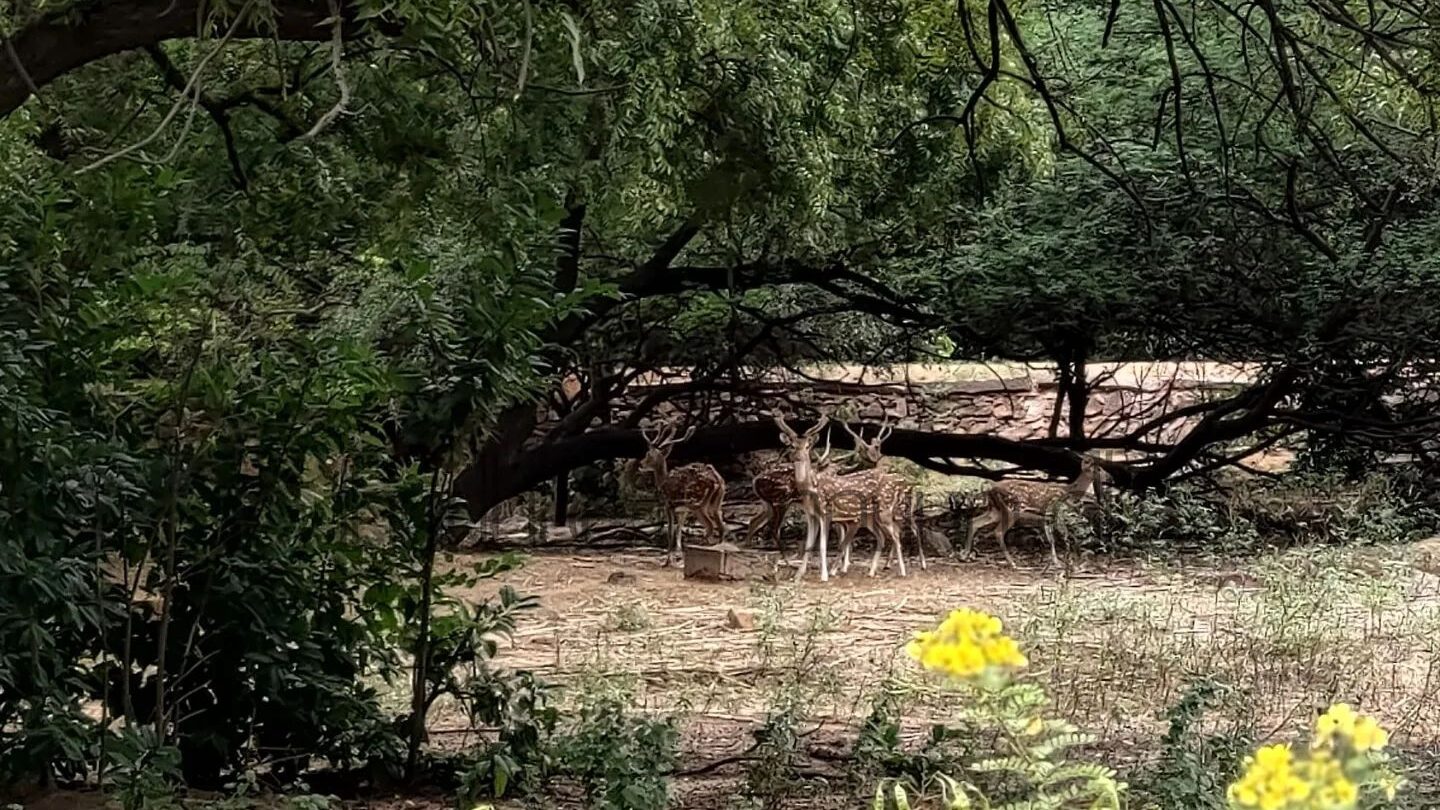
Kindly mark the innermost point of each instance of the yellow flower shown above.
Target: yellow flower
(1359, 731)
(1368, 735)
(1270, 781)
(967, 644)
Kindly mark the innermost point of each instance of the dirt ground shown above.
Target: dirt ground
(1115, 641)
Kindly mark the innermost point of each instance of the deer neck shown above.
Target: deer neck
(661, 468)
(805, 477)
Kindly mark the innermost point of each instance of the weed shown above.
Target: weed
(772, 777)
(622, 761)
(144, 770)
(629, 617)
(1193, 768)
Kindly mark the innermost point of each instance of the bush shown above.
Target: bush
(1244, 516)
(1181, 518)
(622, 761)
(1193, 768)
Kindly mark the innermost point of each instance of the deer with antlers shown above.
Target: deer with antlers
(863, 500)
(774, 485)
(871, 453)
(692, 489)
(1006, 502)
(808, 491)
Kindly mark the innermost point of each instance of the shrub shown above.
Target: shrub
(1182, 518)
(622, 761)
(1193, 769)
(1027, 763)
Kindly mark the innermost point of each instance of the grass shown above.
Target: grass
(1285, 633)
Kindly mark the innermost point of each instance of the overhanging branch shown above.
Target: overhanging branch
(80, 33)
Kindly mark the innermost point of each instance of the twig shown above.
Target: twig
(337, 49)
(175, 108)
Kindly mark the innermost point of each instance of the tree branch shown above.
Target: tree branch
(78, 34)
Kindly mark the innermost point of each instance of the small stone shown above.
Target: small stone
(621, 578)
(741, 620)
(1426, 555)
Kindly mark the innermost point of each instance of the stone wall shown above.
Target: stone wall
(1014, 402)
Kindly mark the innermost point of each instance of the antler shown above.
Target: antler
(661, 438)
(785, 429)
(818, 426)
(885, 430)
(670, 440)
(825, 456)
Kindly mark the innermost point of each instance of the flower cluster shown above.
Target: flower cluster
(1341, 725)
(1342, 758)
(967, 644)
(1275, 780)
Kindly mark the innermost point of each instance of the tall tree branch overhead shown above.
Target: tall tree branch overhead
(78, 34)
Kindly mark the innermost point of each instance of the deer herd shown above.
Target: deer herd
(839, 505)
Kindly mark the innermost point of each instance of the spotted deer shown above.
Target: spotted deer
(1006, 502)
(774, 485)
(693, 488)
(871, 453)
(868, 499)
(810, 495)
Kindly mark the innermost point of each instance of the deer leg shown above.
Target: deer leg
(900, 551)
(1054, 518)
(775, 530)
(1050, 540)
(919, 539)
(810, 533)
(843, 540)
(671, 518)
(717, 515)
(682, 519)
(879, 544)
(1002, 528)
(975, 523)
(756, 523)
(824, 550)
(777, 526)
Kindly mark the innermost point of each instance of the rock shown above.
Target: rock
(621, 578)
(936, 543)
(516, 524)
(1425, 555)
(742, 620)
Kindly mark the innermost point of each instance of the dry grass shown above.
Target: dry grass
(1115, 643)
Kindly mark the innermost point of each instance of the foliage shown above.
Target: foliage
(144, 770)
(879, 753)
(1026, 763)
(622, 761)
(1181, 518)
(1193, 768)
(1238, 516)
